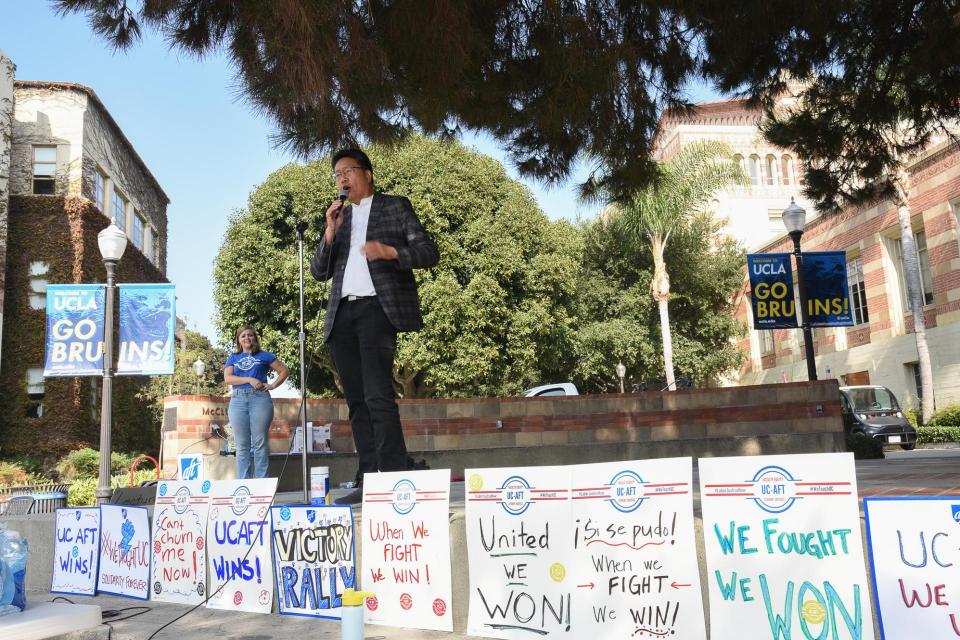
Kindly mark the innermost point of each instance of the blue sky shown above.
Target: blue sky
(187, 120)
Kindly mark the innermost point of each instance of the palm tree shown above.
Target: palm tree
(685, 187)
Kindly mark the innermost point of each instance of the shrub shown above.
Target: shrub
(864, 447)
(11, 474)
(937, 435)
(83, 492)
(85, 463)
(913, 417)
(949, 416)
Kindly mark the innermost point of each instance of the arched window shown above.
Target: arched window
(738, 160)
(786, 169)
(771, 170)
(755, 169)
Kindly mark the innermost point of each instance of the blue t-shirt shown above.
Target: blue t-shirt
(250, 365)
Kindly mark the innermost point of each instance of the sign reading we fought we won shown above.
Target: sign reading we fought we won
(783, 546)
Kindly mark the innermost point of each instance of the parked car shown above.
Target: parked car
(873, 411)
(558, 389)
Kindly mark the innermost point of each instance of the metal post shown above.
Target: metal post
(804, 316)
(303, 370)
(104, 492)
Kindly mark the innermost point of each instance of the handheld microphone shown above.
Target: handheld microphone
(343, 195)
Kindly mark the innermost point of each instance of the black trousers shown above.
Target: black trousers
(363, 344)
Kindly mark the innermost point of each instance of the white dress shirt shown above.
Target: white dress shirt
(356, 277)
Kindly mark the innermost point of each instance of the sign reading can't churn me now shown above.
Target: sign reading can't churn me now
(74, 345)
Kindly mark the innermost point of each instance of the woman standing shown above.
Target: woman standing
(251, 409)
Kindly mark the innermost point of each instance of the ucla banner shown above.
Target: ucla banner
(771, 291)
(147, 318)
(828, 294)
(74, 345)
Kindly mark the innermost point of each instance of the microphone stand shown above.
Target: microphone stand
(301, 227)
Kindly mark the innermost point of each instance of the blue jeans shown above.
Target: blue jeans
(250, 414)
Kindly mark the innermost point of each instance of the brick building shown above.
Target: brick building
(881, 348)
(66, 171)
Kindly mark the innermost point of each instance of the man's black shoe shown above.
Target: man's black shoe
(354, 497)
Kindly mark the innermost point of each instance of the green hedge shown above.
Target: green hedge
(85, 463)
(948, 416)
(83, 492)
(938, 435)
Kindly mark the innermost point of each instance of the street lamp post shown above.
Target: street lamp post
(198, 368)
(621, 371)
(794, 218)
(112, 242)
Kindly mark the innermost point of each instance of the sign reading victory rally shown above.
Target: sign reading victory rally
(179, 542)
(314, 561)
(147, 322)
(914, 552)
(76, 551)
(74, 345)
(783, 547)
(238, 536)
(406, 548)
(771, 288)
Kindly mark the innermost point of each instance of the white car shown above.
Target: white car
(558, 389)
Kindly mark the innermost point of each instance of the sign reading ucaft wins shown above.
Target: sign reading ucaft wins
(771, 291)
(74, 345)
(147, 319)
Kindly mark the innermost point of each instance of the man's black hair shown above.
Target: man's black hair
(354, 154)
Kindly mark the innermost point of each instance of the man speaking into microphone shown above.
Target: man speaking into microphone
(372, 244)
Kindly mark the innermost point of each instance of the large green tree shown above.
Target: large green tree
(655, 214)
(618, 319)
(498, 309)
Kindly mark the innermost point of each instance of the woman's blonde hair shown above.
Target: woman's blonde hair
(256, 339)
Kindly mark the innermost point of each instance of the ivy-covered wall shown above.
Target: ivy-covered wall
(62, 232)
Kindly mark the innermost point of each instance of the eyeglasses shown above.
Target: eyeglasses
(345, 172)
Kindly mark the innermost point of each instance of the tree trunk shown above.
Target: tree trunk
(660, 289)
(911, 274)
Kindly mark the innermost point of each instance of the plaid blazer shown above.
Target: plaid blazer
(392, 222)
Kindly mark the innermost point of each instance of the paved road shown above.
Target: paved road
(920, 472)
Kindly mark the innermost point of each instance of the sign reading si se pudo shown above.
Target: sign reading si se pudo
(314, 561)
(238, 537)
(634, 561)
(124, 551)
(771, 291)
(180, 542)
(76, 551)
(914, 552)
(74, 345)
(783, 548)
(406, 548)
(519, 547)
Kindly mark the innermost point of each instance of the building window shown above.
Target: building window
(858, 291)
(926, 281)
(38, 285)
(786, 169)
(775, 221)
(44, 170)
(755, 170)
(137, 232)
(35, 392)
(914, 371)
(766, 341)
(118, 210)
(99, 189)
(771, 170)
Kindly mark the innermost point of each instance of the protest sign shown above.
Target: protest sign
(241, 571)
(180, 542)
(913, 549)
(783, 547)
(518, 547)
(828, 290)
(147, 323)
(76, 551)
(406, 548)
(314, 561)
(634, 562)
(190, 466)
(124, 551)
(771, 291)
(74, 345)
